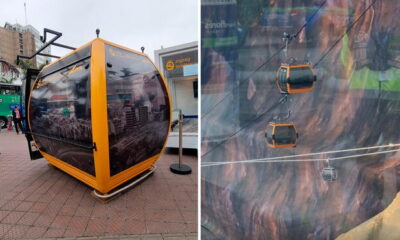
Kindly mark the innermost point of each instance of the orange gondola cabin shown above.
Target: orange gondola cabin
(292, 79)
(101, 114)
(281, 135)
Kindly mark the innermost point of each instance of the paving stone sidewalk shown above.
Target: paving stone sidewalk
(40, 201)
(188, 236)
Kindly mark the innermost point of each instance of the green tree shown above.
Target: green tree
(42, 66)
(24, 65)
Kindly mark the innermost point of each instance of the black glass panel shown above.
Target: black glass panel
(9, 89)
(282, 79)
(71, 59)
(268, 134)
(195, 89)
(285, 135)
(138, 109)
(301, 77)
(60, 115)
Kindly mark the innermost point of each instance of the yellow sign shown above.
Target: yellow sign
(170, 65)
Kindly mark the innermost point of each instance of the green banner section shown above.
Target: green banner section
(219, 42)
(5, 102)
(368, 79)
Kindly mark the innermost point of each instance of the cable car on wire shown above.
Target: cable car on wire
(296, 78)
(281, 135)
(329, 174)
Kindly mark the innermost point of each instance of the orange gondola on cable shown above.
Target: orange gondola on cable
(295, 78)
(281, 135)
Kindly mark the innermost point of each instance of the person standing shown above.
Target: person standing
(17, 119)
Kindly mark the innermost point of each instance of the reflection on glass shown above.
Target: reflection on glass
(60, 115)
(138, 109)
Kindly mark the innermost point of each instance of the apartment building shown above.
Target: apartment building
(16, 39)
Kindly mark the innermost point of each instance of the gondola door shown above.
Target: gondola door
(31, 75)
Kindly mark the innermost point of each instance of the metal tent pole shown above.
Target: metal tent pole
(180, 168)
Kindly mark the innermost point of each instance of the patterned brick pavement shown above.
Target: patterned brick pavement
(39, 201)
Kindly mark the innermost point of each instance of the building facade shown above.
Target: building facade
(179, 65)
(16, 39)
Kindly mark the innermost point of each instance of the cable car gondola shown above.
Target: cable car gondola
(84, 123)
(298, 78)
(281, 135)
(329, 174)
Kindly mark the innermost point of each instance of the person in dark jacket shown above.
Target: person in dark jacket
(16, 113)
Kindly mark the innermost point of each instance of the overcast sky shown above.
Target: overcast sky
(131, 23)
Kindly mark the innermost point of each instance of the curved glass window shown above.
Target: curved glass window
(268, 134)
(282, 79)
(301, 77)
(60, 114)
(285, 135)
(138, 109)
